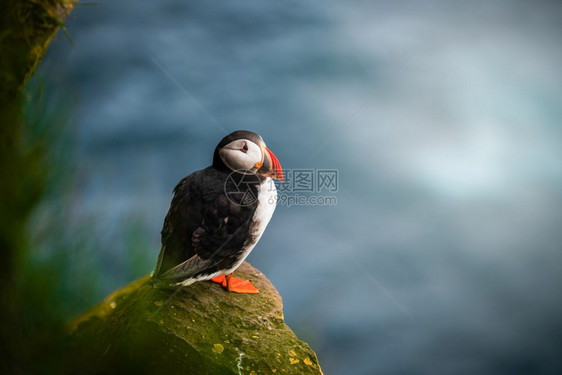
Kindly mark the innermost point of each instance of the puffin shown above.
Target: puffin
(218, 214)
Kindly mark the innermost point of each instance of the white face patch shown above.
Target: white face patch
(241, 154)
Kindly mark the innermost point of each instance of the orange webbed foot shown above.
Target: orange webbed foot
(220, 279)
(235, 285)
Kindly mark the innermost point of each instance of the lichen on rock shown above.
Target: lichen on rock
(199, 329)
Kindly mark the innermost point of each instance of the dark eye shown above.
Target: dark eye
(244, 148)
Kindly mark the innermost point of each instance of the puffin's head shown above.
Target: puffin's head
(245, 152)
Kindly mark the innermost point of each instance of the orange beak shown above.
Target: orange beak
(270, 166)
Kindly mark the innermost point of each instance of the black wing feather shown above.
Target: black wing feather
(203, 228)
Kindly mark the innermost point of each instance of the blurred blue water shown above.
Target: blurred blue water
(450, 176)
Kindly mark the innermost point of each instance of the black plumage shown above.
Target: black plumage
(211, 224)
(203, 221)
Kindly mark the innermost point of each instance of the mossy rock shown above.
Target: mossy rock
(199, 329)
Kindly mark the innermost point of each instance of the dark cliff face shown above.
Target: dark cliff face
(199, 329)
(26, 29)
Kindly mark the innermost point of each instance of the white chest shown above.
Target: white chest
(267, 201)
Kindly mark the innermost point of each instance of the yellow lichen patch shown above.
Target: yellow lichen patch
(158, 303)
(274, 370)
(307, 361)
(218, 348)
(292, 353)
(294, 361)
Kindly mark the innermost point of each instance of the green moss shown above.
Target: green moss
(28, 27)
(200, 329)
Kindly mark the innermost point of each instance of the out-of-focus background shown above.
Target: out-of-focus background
(443, 254)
